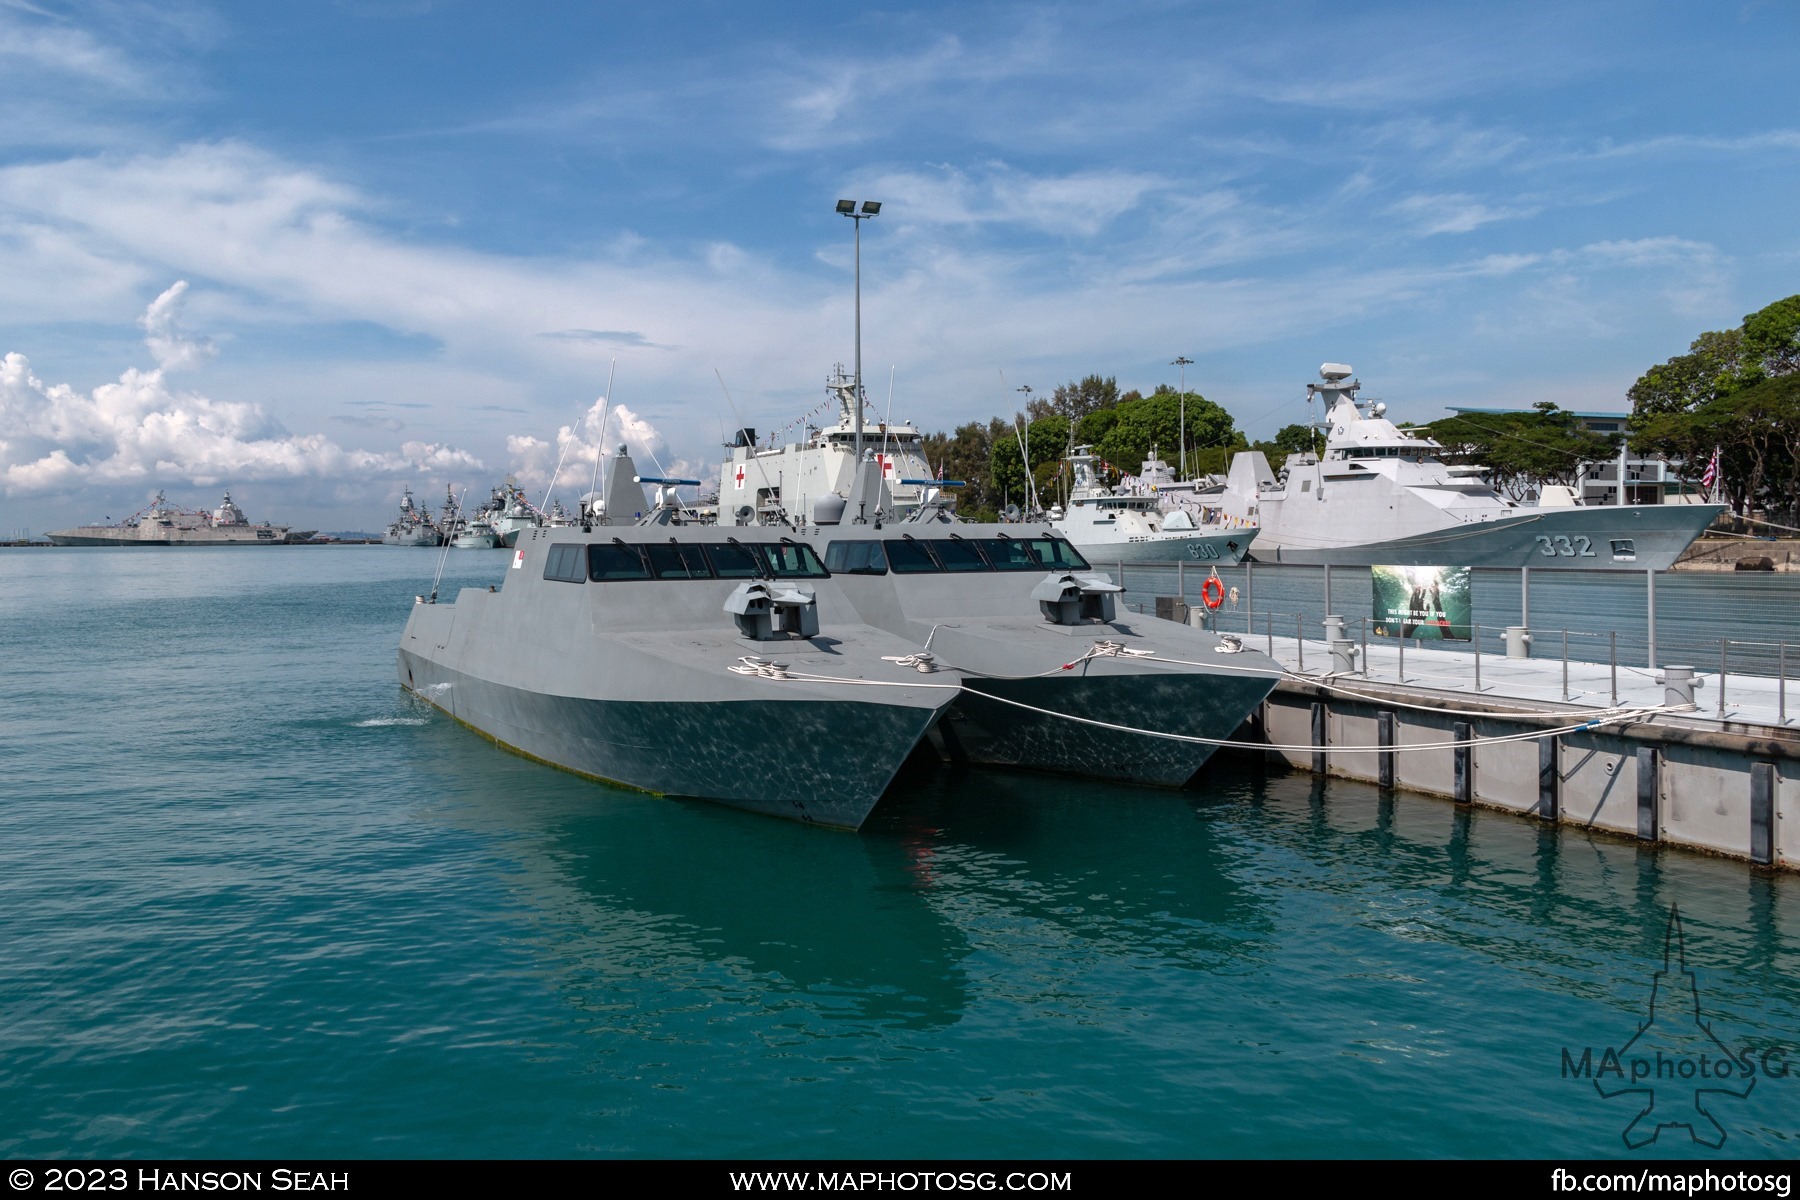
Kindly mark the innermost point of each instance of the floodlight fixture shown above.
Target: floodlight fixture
(846, 206)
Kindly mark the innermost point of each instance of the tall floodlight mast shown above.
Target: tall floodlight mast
(1184, 362)
(869, 208)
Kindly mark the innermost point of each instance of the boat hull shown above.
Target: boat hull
(1637, 537)
(987, 725)
(79, 537)
(1222, 548)
(829, 765)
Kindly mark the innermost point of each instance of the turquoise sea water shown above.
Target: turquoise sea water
(254, 902)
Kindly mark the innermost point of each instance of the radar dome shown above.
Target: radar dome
(1335, 371)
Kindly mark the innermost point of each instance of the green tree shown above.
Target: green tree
(1091, 394)
(1520, 449)
(967, 455)
(1048, 440)
(1156, 421)
(1292, 439)
(1693, 404)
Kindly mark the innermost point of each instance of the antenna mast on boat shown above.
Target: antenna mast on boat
(600, 439)
(438, 578)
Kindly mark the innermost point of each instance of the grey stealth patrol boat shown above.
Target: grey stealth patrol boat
(684, 661)
(1055, 677)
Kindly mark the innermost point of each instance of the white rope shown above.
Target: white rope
(1450, 745)
(765, 669)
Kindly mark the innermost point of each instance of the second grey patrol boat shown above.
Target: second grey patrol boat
(1055, 677)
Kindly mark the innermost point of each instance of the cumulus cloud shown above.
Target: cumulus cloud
(533, 460)
(142, 430)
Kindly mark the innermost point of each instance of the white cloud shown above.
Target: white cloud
(1455, 213)
(172, 348)
(54, 438)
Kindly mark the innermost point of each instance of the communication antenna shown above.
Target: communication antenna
(545, 506)
(600, 438)
(436, 579)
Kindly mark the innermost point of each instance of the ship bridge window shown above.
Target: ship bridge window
(1054, 552)
(855, 558)
(733, 561)
(564, 563)
(672, 560)
(1008, 554)
(956, 556)
(793, 560)
(908, 557)
(607, 563)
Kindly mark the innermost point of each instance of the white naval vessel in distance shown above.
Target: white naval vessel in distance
(1109, 526)
(164, 524)
(1384, 495)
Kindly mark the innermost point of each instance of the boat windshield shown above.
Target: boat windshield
(793, 560)
(908, 557)
(1008, 554)
(855, 558)
(955, 555)
(563, 563)
(675, 561)
(616, 561)
(1054, 552)
(733, 561)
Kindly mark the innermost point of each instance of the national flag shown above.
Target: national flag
(1712, 473)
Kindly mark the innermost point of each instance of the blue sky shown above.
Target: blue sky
(415, 236)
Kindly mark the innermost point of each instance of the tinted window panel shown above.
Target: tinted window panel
(564, 562)
(793, 560)
(855, 558)
(957, 555)
(1008, 554)
(909, 558)
(733, 562)
(1054, 552)
(671, 561)
(607, 563)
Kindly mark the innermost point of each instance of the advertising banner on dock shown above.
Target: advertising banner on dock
(1422, 602)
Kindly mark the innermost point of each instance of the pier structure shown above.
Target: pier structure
(1647, 754)
(1592, 702)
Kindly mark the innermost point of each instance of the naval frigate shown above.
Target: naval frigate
(1384, 495)
(683, 661)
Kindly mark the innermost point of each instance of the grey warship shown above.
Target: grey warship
(164, 524)
(686, 661)
(1381, 494)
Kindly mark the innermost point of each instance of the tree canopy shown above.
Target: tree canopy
(1122, 427)
(1734, 391)
(1522, 449)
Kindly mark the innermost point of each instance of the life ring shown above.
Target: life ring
(1212, 592)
